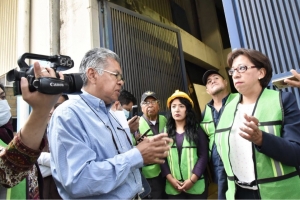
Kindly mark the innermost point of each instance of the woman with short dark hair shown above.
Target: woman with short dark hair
(258, 136)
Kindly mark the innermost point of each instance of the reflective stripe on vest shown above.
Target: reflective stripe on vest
(275, 180)
(183, 170)
(153, 170)
(208, 125)
(17, 192)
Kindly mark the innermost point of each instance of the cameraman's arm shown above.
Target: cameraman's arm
(33, 130)
(27, 143)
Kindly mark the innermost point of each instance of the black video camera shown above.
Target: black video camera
(72, 83)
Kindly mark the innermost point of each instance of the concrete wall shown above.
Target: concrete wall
(12, 101)
(79, 28)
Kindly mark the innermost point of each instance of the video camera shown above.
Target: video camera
(72, 83)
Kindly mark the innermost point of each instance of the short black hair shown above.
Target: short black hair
(126, 97)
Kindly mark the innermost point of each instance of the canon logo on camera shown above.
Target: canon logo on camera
(56, 84)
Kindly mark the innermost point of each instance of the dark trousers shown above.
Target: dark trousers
(157, 185)
(242, 193)
(50, 189)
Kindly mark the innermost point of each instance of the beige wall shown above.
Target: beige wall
(8, 38)
(40, 27)
(12, 101)
(203, 97)
(79, 28)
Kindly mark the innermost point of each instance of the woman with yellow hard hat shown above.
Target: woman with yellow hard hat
(188, 157)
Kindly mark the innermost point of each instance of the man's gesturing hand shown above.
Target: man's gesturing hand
(155, 149)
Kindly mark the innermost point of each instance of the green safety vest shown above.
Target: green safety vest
(183, 170)
(152, 170)
(274, 179)
(208, 125)
(133, 139)
(18, 191)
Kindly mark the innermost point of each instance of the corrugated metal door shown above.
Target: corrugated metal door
(151, 52)
(270, 26)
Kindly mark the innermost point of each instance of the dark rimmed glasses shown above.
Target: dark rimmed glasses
(240, 69)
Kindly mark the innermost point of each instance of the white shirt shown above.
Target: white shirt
(241, 149)
(44, 164)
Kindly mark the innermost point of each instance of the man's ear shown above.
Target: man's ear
(92, 75)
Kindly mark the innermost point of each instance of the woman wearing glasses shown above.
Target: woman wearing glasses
(258, 136)
(188, 156)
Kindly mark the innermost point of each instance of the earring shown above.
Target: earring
(258, 78)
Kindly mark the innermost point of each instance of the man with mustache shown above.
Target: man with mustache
(91, 153)
(216, 87)
(156, 123)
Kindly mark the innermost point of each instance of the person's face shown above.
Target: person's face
(2, 95)
(107, 86)
(128, 107)
(151, 109)
(247, 81)
(178, 110)
(215, 84)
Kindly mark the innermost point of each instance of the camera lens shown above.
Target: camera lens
(70, 63)
(63, 61)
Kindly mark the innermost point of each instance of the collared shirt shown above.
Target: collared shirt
(214, 154)
(85, 162)
(240, 154)
(217, 114)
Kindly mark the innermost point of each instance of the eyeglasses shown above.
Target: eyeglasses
(147, 103)
(240, 69)
(117, 75)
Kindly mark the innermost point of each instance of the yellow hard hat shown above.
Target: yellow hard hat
(177, 94)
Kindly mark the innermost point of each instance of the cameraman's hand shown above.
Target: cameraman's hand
(33, 130)
(155, 149)
(38, 101)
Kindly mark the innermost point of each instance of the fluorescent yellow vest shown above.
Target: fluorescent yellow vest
(152, 170)
(274, 179)
(208, 125)
(183, 170)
